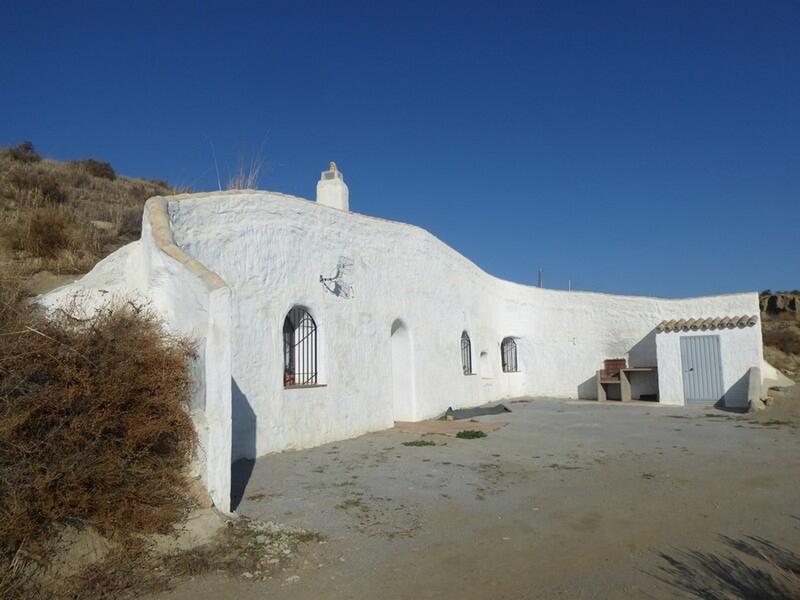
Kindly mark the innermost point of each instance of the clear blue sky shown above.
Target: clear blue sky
(640, 147)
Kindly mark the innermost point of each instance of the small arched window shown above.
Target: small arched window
(466, 354)
(508, 355)
(299, 348)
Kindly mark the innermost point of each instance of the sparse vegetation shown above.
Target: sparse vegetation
(65, 198)
(420, 442)
(780, 324)
(24, 153)
(259, 497)
(245, 548)
(352, 503)
(43, 233)
(94, 428)
(786, 339)
(96, 168)
(37, 185)
(245, 177)
(470, 434)
(776, 423)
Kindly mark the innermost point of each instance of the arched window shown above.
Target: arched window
(466, 354)
(508, 355)
(299, 348)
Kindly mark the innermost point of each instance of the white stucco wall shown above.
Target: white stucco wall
(196, 303)
(271, 250)
(241, 260)
(740, 349)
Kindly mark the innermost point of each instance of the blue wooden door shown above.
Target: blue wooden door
(702, 369)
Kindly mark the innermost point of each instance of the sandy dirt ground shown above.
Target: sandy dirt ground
(569, 500)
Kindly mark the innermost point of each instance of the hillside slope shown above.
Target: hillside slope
(59, 218)
(780, 322)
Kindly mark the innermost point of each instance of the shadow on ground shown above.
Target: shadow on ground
(240, 475)
(754, 569)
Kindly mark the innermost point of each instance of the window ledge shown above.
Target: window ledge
(305, 387)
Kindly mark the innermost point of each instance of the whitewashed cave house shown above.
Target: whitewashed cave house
(315, 323)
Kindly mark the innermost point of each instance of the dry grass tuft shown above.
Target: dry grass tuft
(94, 427)
(245, 177)
(785, 336)
(43, 232)
(782, 344)
(37, 185)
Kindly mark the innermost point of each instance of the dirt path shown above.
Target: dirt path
(570, 500)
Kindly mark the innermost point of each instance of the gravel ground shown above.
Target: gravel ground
(569, 500)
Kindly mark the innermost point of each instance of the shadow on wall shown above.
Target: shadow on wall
(588, 389)
(643, 352)
(243, 443)
(735, 398)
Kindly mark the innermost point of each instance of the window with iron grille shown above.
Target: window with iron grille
(466, 354)
(299, 348)
(508, 355)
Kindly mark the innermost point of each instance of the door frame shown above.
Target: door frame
(709, 358)
(401, 347)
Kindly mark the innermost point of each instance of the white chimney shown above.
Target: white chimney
(332, 190)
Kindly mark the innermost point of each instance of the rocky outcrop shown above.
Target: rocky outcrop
(780, 324)
(783, 304)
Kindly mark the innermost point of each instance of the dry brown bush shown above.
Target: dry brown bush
(94, 427)
(96, 168)
(24, 152)
(785, 336)
(42, 233)
(43, 185)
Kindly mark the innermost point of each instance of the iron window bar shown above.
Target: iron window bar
(299, 348)
(508, 354)
(466, 354)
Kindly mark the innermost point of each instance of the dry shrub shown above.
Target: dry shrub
(97, 168)
(94, 426)
(24, 153)
(129, 222)
(45, 184)
(43, 233)
(51, 191)
(785, 336)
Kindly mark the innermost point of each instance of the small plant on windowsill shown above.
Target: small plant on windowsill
(470, 434)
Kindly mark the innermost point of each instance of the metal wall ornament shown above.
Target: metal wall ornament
(338, 284)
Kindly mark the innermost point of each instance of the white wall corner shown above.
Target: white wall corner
(218, 398)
